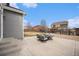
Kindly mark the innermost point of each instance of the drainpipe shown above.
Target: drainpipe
(1, 15)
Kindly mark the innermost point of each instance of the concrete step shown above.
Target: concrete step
(2, 42)
(10, 51)
(9, 46)
(15, 53)
(7, 41)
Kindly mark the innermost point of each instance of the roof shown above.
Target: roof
(61, 22)
(14, 9)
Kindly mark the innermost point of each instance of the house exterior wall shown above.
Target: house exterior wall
(13, 25)
(0, 26)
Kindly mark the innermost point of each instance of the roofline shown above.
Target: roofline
(60, 22)
(14, 9)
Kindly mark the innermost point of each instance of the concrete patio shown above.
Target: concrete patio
(30, 46)
(56, 47)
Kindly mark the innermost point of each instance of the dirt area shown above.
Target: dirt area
(56, 47)
(67, 36)
(31, 33)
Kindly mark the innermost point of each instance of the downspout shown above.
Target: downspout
(1, 13)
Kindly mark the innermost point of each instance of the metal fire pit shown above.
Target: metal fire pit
(44, 37)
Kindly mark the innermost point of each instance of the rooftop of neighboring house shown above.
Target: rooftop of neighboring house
(61, 22)
(39, 26)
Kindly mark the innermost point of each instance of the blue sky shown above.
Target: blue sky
(51, 12)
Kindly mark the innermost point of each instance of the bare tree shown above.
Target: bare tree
(29, 26)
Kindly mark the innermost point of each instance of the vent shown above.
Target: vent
(7, 4)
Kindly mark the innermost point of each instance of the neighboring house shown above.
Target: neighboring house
(74, 31)
(62, 28)
(77, 31)
(59, 27)
(11, 22)
(40, 28)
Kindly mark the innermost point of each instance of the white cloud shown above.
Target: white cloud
(73, 23)
(30, 5)
(14, 5)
